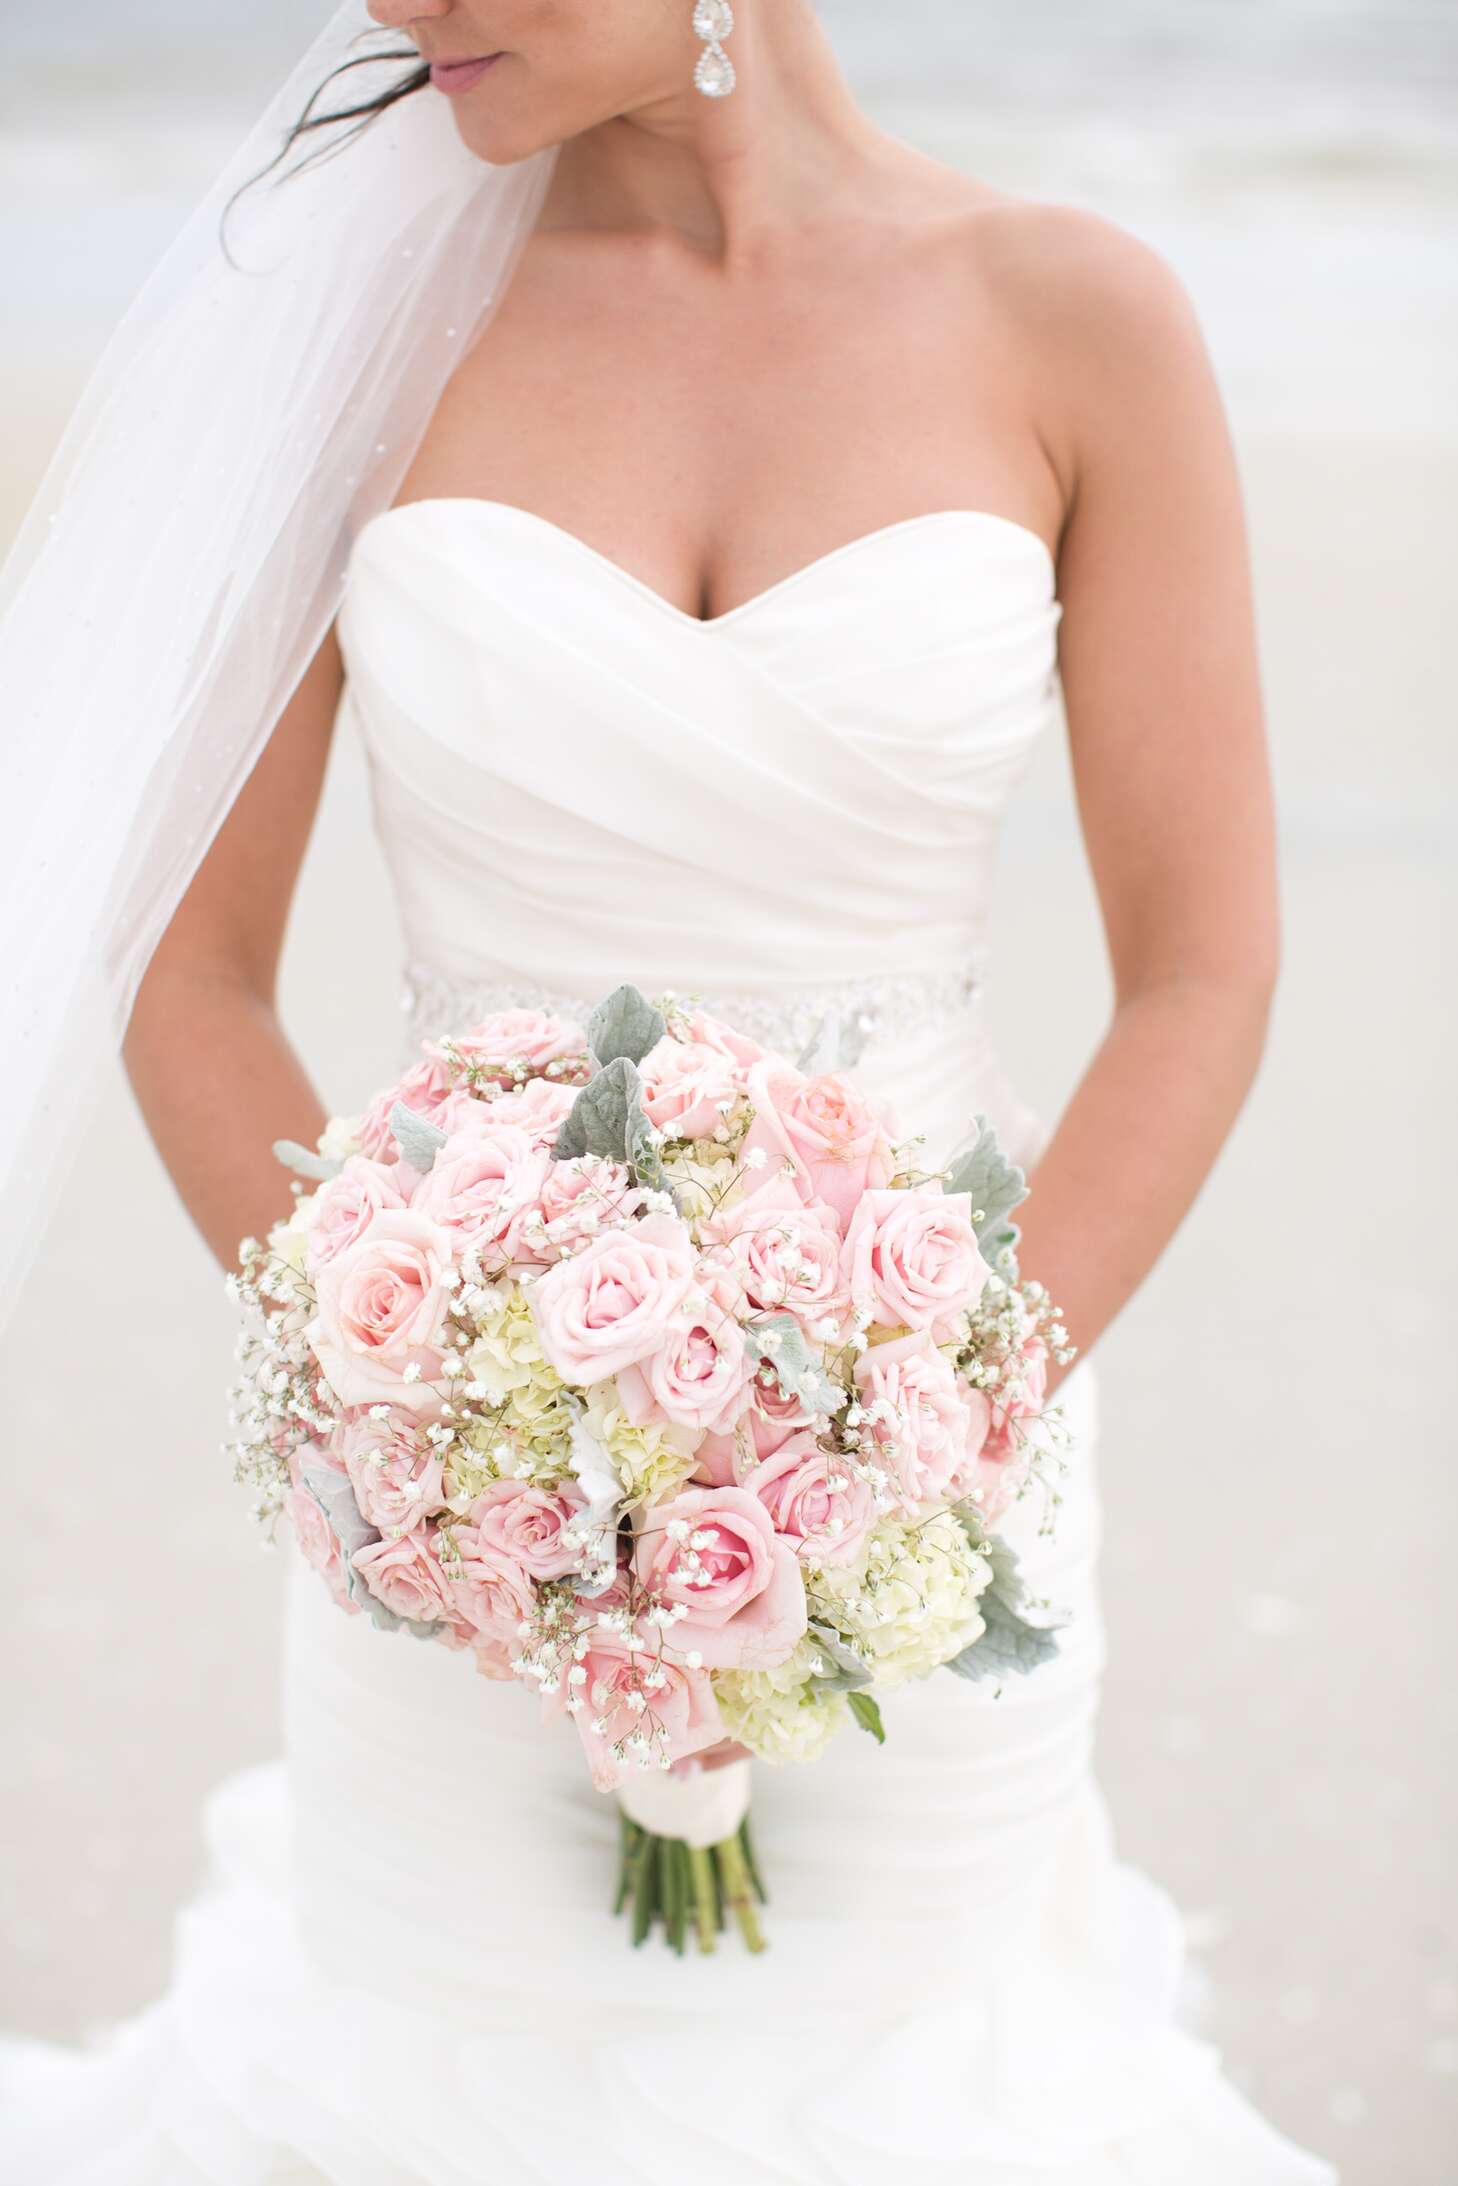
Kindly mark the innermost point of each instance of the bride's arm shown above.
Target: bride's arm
(1158, 659)
(215, 1077)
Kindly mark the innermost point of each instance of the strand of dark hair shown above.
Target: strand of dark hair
(358, 116)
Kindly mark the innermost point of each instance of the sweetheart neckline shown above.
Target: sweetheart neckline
(640, 585)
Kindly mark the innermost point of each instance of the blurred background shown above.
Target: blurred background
(1278, 1735)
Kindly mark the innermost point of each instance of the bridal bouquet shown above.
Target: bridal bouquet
(639, 1364)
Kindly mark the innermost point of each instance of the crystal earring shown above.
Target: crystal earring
(713, 21)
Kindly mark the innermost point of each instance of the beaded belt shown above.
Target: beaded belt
(834, 1021)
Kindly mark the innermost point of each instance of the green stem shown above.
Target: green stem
(701, 1871)
(738, 1889)
(746, 1843)
(645, 1900)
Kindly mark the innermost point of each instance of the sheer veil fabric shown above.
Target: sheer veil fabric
(185, 554)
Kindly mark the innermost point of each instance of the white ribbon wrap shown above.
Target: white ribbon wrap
(702, 1809)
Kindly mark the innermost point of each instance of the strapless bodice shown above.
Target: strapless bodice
(576, 782)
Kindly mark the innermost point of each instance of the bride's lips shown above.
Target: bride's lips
(453, 77)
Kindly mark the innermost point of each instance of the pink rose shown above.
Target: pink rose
(580, 1198)
(395, 1473)
(627, 1693)
(318, 1546)
(926, 1424)
(817, 1503)
(1003, 1461)
(427, 1089)
(539, 1108)
(405, 1574)
(716, 1551)
(838, 1142)
(614, 1302)
(687, 1086)
(347, 1205)
(707, 1031)
(911, 1258)
(785, 1254)
(700, 1375)
(525, 1527)
(513, 1040)
(381, 1308)
(772, 1416)
(494, 1594)
(483, 1185)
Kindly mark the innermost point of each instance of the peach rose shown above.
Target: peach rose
(817, 1503)
(715, 1550)
(614, 1302)
(381, 1308)
(925, 1423)
(912, 1259)
(838, 1142)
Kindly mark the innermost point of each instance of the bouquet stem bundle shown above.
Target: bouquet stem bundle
(680, 1886)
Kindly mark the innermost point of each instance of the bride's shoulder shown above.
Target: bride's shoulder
(1069, 272)
(1066, 257)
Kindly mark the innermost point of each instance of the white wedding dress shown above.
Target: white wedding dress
(403, 1970)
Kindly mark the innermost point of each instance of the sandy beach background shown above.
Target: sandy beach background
(1278, 1735)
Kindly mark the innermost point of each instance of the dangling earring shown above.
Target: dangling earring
(713, 21)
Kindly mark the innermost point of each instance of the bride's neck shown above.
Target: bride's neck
(723, 175)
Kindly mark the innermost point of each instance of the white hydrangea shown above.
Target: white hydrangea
(652, 1460)
(909, 1603)
(289, 1240)
(784, 1714)
(510, 1372)
(340, 1137)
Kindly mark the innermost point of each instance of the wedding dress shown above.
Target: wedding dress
(403, 1969)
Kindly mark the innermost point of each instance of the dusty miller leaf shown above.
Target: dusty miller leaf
(346, 1521)
(419, 1141)
(868, 1715)
(849, 1673)
(597, 1121)
(321, 1167)
(1019, 1628)
(625, 1024)
(779, 1341)
(996, 1186)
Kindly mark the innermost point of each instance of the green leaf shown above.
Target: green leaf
(1019, 1628)
(597, 1121)
(849, 1673)
(778, 1340)
(868, 1715)
(304, 1163)
(419, 1141)
(607, 1118)
(625, 1024)
(996, 1186)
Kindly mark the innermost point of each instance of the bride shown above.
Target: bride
(698, 620)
